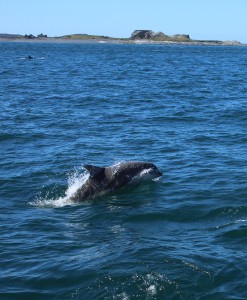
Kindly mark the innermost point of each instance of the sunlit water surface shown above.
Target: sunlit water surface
(183, 108)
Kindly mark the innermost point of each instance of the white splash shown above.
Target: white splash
(75, 181)
(152, 290)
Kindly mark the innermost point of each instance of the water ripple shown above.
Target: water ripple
(180, 107)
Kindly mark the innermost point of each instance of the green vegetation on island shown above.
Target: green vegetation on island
(80, 36)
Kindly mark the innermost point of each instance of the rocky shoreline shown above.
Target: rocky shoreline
(137, 37)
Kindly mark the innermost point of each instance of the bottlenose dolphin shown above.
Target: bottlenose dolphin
(108, 179)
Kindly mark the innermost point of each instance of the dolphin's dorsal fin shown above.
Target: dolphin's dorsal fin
(93, 170)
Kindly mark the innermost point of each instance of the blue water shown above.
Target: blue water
(183, 108)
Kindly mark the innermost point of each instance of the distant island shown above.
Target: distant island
(137, 37)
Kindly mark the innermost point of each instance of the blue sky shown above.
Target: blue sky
(201, 19)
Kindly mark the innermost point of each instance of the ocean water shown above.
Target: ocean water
(183, 108)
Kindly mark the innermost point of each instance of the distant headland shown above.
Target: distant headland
(137, 37)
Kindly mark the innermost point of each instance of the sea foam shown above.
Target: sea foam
(75, 181)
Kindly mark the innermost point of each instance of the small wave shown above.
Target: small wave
(235, 234)
(235, 231)
(75, 181)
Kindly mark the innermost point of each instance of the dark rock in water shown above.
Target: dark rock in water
(142, 34)
(158, 36)
(29, 36)
(42, 35)
(147, 34)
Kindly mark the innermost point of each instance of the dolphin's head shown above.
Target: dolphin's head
(149, 171)
(142, 171)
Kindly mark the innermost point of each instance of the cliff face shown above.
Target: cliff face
(146, 34)
(160, 36)
(142, 34)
